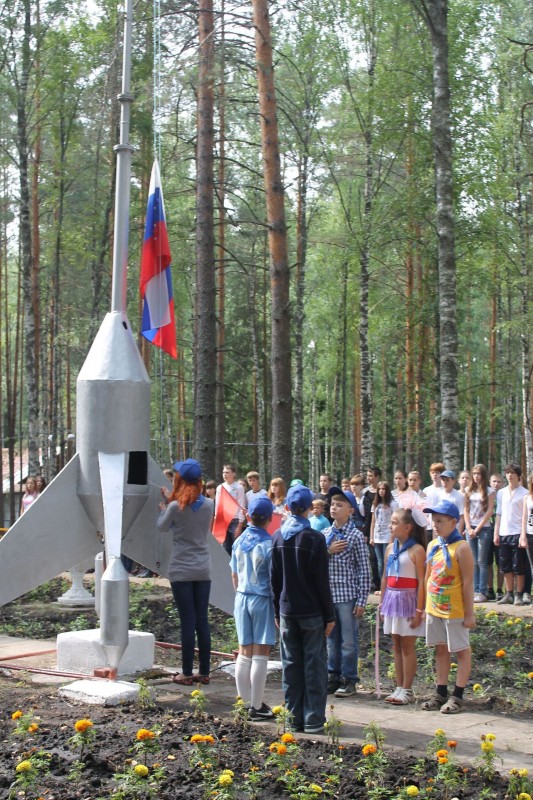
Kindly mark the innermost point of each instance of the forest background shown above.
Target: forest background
(368, 304)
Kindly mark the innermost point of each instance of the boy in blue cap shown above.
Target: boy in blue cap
(254, 612)
(449, 605)
(304, 612)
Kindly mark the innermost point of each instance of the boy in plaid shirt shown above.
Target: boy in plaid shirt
(349, 579)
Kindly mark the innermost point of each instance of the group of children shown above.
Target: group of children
(313, 586)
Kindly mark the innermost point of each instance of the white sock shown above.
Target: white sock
(243, 666)
(258, 676)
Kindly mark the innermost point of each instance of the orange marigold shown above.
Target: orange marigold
(144, 733)
(441, 753)
(33, 728)
(501, 653)
(16, 715)
(278, 747)
(369, 749)
(443, 760)
(83, 725)
(288, 738)
(452, 744)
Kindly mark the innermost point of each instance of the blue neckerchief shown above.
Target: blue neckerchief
(444, 544)
(393, 561)
(335, 533)
(293, 525)
(252, 536)
(197, 503)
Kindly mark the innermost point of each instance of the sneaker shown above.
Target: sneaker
(506, 598)
(491, 596)
(519, 599)
(259, 714)
(346, 689)
(317, 729)
(333, 684)
(526, 597)
(480, 598)
(499, 596)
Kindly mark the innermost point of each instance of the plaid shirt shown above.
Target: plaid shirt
(349, 571)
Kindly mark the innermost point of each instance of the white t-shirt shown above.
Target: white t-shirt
(455, 497)
(434, 493)
(383, 516)
(529, 518)
(251, 495)
(476, 512)
(510, 508)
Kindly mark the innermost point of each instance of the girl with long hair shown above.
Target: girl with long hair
(479, 505)
(382, 507)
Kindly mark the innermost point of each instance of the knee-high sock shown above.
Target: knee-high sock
(258, 676)
(243, 666)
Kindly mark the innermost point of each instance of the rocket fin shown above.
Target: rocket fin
(146, 545)
(50, 537)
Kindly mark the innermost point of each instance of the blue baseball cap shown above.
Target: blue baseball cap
(190, 470)
(444, 507)
(349, 496)
(299, 498)
(261, 508)
(448, 473)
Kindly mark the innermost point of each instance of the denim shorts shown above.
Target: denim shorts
(254, 619)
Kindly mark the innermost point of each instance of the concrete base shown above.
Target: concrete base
(81, 651)
(101, 693)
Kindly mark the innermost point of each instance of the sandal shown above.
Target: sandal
(453, 706)
(393, 695)
(183, 680)
(434, 703)
(403, 698)
(204, 679)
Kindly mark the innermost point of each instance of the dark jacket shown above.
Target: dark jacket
(299, 573)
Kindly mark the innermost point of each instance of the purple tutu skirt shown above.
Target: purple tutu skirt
(399, 603)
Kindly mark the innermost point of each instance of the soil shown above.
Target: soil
(504, 683)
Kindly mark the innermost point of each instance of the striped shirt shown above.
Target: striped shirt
(349, 571)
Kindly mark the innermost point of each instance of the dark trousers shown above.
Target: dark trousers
(192, 602)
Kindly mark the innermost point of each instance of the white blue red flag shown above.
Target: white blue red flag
(158, 323)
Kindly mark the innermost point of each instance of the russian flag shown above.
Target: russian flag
(158, 322)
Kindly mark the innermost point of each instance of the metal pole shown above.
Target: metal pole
(122, 193)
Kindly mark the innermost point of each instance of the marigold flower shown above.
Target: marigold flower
(277, 709)
(477, 688)
(225, 780)
(33, 727)
(510, 622)
(523, 773)
(524, 796)
(501, 653)
(530, 676)
(288, 738)
(16, 715)
(490, 737)
(369, 749)
(24, 766)
(196, 693)
(196, 737)
(452, 744)
(441, 753)
(144, 733)
(412, 791)
(443, 760)
(208, 739)
(228, 772)
(83, 725)
(141, 770)
(487, 747)
(314, 787)
(517, 621)
(439, 732)
(278, 747)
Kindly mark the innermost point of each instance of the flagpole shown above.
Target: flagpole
(123, 180)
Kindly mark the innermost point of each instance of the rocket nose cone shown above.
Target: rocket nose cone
(114, 355)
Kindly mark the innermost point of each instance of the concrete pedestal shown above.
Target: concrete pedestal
(81, 651)
(77, 595)
(101, 693)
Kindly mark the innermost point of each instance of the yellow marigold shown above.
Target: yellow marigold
(196, 693)
(33, 727)
(452, 744)
(487, 747)
(228, 772)
(523, 773)
(477, 688)
(439, 732)
(141, 770)
(225, 780)
(501, 653)
(490, 737)
(441, 753)
(144, 733)
(443, 760)
(517, 621)
(412, 791)
(16, 715)
(288, 738)
(277, 709)
(510, 622)
(314, 787)
(23, 766)
(83, 725)
(369, 749)
(530, 676)
(524, 796)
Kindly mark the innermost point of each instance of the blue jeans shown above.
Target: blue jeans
(343, 642)
(305, 672)
(379, 549)
(192, 601)
(480, 546)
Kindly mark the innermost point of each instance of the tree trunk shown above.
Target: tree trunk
(299, 315)
(281, 462)
(526, 365)
(367, 438)
(221, 265)
(206, 360)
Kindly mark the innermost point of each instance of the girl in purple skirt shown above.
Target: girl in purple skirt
(403, 596)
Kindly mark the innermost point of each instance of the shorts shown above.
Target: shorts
(451, 632)
(512, 557)
(254, 619)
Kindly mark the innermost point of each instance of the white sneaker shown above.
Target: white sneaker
(526, 597)
(480, 598)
